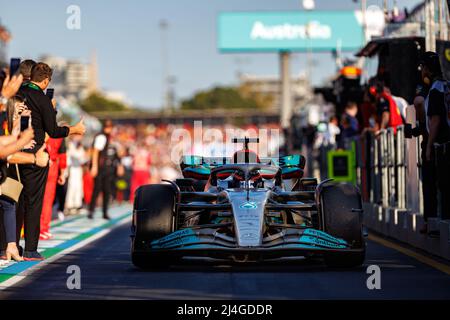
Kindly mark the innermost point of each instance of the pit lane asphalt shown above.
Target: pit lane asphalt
(107, 273)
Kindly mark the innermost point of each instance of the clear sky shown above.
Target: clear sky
(126, 36)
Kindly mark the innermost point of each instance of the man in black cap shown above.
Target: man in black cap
(437, 133)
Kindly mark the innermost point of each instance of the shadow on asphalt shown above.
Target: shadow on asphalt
(218, 266)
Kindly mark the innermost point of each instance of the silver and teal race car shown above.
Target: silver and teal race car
(246, 209)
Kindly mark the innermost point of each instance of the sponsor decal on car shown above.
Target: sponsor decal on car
(177, 238)
(321, 242)
(323, 235)
(249, 205)
(249, 236)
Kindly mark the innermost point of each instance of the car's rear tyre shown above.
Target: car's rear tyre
(153, 218)
(341, 212)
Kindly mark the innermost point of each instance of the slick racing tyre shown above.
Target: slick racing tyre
(341, 210)
(153, 218)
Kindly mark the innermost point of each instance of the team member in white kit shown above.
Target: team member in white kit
(76, 158)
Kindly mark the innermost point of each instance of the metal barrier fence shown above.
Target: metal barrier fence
(381, 166)
(389, 174)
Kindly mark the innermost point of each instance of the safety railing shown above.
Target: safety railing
(389, 175)
(381, 167)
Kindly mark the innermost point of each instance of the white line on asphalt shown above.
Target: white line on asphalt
(21, 276)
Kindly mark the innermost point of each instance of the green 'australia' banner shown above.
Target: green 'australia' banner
(290, 31)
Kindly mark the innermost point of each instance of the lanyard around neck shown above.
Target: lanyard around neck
(33, 86)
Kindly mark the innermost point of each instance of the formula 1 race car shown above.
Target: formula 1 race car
(245, 209)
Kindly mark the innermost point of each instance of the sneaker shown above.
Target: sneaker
(2, 255)
(61, 216)
(32, 256)
(43, 237)
(106, 217)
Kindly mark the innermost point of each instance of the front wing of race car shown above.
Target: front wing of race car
(205, 242)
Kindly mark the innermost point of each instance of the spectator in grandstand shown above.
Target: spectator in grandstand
(437, 123)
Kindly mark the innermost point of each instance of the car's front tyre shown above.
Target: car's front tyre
(153, 218)
(341, 211)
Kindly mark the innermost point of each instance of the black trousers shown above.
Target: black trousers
(3, 243)
(102, 184)
(61, 192)
(429, 189)
(30, 204)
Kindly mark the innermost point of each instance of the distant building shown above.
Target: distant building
(271, 86)
(73, 79)
(76, 78)
(412, 24)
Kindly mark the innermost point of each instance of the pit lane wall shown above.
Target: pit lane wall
(389, 176)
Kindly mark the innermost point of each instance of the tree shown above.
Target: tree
(97, 102)
(221, 98)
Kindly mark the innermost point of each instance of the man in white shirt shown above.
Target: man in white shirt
(104, 168)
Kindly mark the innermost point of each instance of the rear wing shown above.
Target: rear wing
(285, 161)
(199, 168)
